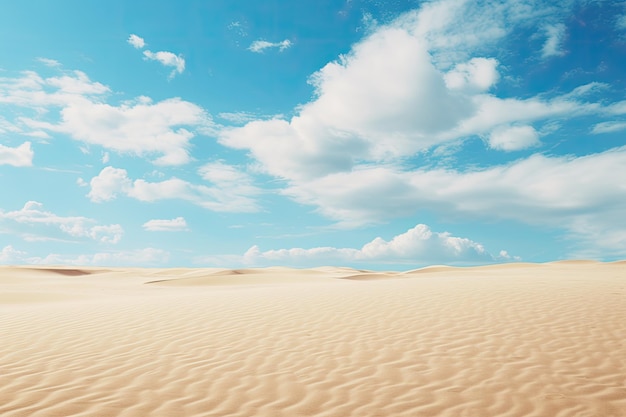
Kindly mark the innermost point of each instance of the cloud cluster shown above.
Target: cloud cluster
(34, 216)
(386, 100)
(417, 246)
(140, 127)
(229, 190)
(423, 81)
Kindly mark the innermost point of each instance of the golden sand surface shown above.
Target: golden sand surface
(544, 340)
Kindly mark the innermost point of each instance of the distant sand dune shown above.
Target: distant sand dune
(510, 340)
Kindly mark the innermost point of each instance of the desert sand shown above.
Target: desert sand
(502, 340)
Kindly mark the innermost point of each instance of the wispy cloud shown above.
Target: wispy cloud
(49, 62)
(261, 45)
(553, 45)
(33, 214)
(621, 22)
(145, 256)
(608, 127)
(168, 59)
(163, 225)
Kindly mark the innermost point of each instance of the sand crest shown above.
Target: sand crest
(512, 340)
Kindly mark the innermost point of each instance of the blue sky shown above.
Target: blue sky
(380, 135)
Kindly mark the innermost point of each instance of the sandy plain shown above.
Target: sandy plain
(501, 340)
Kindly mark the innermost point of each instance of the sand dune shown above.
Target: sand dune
(512, 340)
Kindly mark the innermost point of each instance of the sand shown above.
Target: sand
(503, 340)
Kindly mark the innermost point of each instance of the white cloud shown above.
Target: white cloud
(158, 225)
(620, 22)
(421, 82)
(105, 157)
(418, 245)
(608, 127)
(136, 41)
(554, 43)
(22, 156)
(33, 215)
(478, 74)
(168, 59)
(108, 184)
(49, 62)
(9, 255)
(260, 45)
(108, 234)
(6, 126)
(31, 90)
(386, 100)
(616, 108)
(139, 257)
(538, 190)
(141, 127)
(231, 190)
(457, 29)
(513, 138)
(242, 117)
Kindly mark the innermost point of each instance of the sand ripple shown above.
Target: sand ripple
(547, 340)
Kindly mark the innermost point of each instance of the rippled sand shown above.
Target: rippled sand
(504, 340)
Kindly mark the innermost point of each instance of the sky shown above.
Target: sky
(363, 133)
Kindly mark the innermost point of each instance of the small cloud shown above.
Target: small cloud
(33, 215)
(39, 134)
(368, 23)
(504, 256)
(9, 254)
(238, 28)
(81, 182)
(554, 42)
(513, 138)
(174, 225)
(260, 45)
(105, 157)
(478, 74)
(168, 59)
(22, 156)
(49, 62)
(608, 127)
(621, 22)
(136, 41)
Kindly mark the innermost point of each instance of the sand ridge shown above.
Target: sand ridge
(511, 340)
